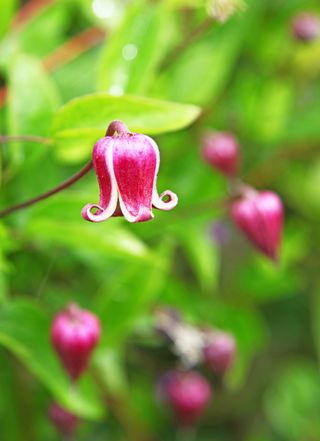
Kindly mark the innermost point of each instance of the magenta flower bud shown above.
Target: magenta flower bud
(187, 394)
(219, 351)
(221, 151)
(305, 26)
(259, 215)
(64, 421)
(74, 334)
(126, 165)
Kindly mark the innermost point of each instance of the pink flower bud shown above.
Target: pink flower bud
(221, 151)
(126, 165)
(306, 26)
(259, 215)
(187, 393)
(64, 421)
(74, 334)
(219, 351)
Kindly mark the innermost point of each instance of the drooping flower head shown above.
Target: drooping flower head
(259, 215)
(74, 334)
(126, 165)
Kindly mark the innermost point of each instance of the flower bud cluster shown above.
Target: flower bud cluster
(257, 214)
(185, 391)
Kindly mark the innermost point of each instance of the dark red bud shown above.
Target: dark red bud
(64, 421)
(259, 215)
(305, 26)
(187, 394)
(221, 151)
(219, 352)
(74, 334)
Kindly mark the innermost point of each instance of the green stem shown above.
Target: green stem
(189, 38)
(4, 139)
(49, 193)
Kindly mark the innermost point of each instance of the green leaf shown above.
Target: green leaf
(130, 58)
(9, 400)
(292, 403)
(201, 253)
(24, 330)
(81, 122)
(202, 71)
(32, 100)
(129, 297)
(91, 240)
(7, 9)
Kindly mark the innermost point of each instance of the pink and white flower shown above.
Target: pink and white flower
(126, 165)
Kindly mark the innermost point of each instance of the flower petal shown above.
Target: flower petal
(168, 204)
(135, 163)
(157, 201)
(102, 162)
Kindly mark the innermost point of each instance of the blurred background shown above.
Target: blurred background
(251, 74)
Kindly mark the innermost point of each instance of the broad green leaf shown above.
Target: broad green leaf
(92, 240)
(9, 400)
(7, 9)
(262, 281)
(274, 106)
(265, 105)
(201, 253)
(81, 122)
(315, 320)
(201, 72)
(130, 57)
(32, 100)
(292, 403)
(24, 330)
(130, 296)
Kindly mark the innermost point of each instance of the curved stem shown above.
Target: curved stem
(49, 193)
(194, 34)
(24, 138)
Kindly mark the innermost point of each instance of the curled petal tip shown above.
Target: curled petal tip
(98, 216)
(171, 200)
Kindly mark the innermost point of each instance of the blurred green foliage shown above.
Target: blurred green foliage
(248, 76)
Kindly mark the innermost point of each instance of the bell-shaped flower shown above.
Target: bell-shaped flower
(259, 215)
(126, 165)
